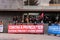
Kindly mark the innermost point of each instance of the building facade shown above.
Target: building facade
(27, 7)
(38, 5)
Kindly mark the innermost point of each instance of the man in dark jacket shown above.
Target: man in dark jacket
(14, 19)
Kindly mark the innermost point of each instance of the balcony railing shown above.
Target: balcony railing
(54, 4)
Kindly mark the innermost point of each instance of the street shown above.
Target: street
(6, 36)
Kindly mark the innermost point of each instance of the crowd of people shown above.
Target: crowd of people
(36, 19)
(17, 19)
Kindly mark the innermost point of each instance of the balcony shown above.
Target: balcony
(18, 5)
(47, 7)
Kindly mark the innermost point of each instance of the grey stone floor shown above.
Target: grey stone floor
(6, 36)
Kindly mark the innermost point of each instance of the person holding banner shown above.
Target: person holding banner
(56, 23)
(59, 23)
(1, 23)
(1, 26)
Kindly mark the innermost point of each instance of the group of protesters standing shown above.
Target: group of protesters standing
(16, 19)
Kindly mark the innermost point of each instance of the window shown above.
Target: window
(31, 2)
(55, 2)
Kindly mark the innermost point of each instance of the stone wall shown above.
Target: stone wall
(11, 4)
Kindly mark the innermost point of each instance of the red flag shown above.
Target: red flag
(41, 16)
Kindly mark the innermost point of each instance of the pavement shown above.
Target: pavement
(6, 36)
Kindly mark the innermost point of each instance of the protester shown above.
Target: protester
(14, 19)
(18, 19)
(59, 22)
(27, 20)
(49, 23)
(1, 22)
(30, 20)
(57, 18)
(56, 23)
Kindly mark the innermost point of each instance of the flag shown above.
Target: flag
(41, 16)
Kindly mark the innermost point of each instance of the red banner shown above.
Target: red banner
(25, 28)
